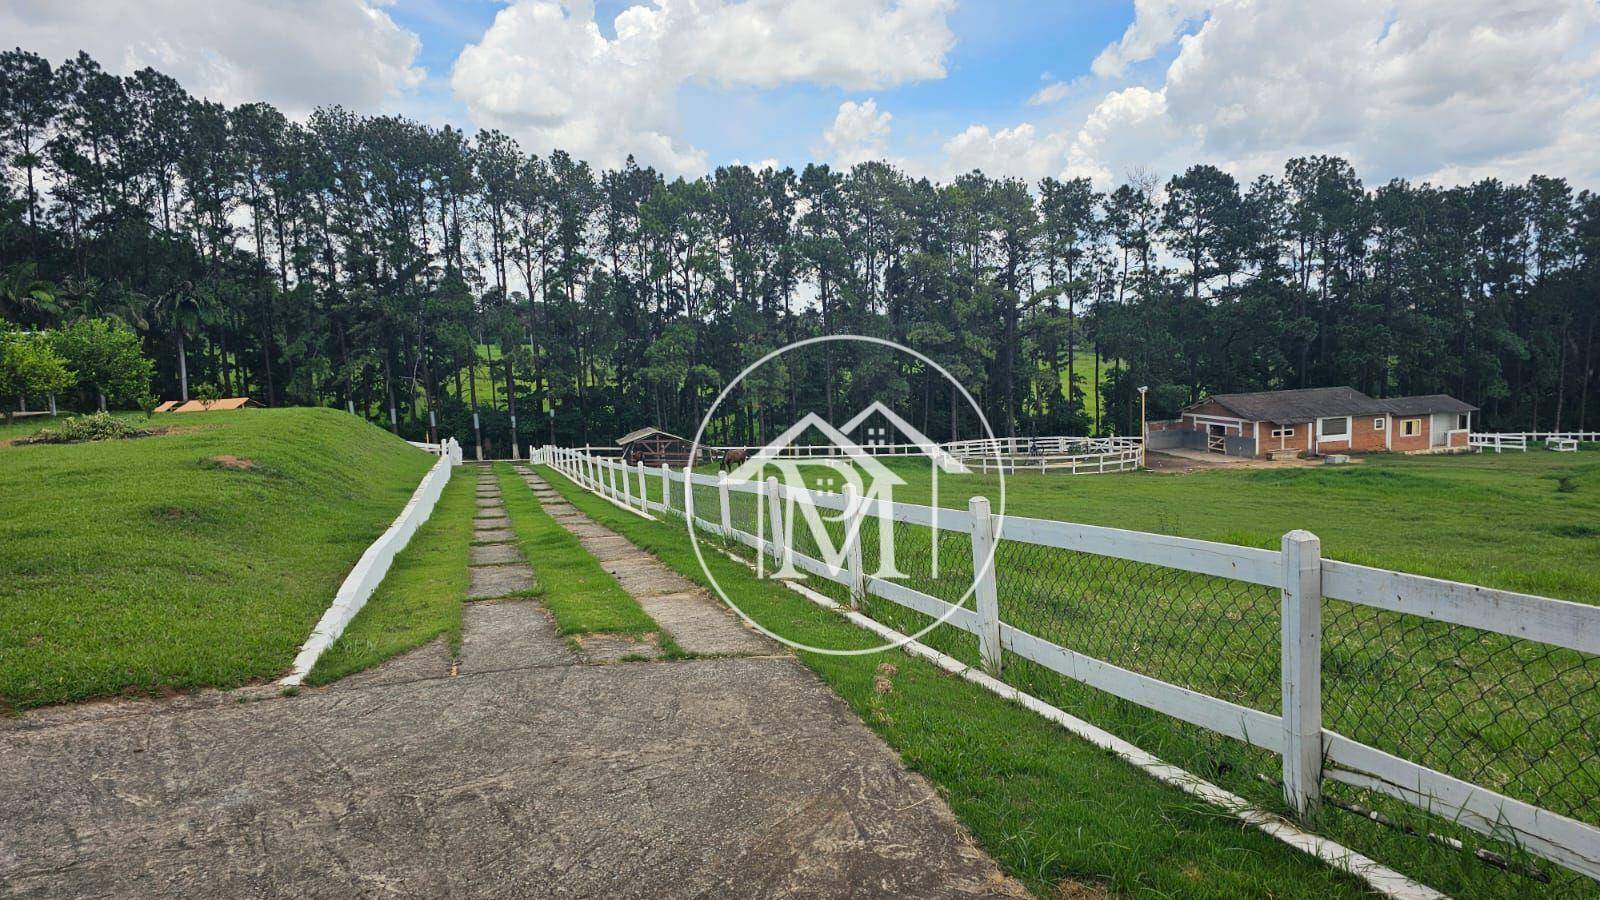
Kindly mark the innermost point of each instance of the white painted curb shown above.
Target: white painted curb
(374, 564)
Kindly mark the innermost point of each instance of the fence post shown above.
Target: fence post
(666, 486)
(983, 587)
(1302, 671)
(775, 518)
(644, 489)
(853, 529)
(724, 507)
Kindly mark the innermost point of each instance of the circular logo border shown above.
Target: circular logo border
(695, 451)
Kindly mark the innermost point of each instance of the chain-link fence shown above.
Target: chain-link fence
(1516, 716)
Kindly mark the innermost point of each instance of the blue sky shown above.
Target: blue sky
(1003, 50)
(1418, 89)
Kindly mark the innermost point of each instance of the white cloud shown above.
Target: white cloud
(1054, 92)
(1155, 24)
(859, 133)
(296, 54)
(545, 72)
(1020, 152)
(1444, 89)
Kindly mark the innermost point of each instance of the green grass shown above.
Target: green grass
(1049, 807)
(421, 596)
(1517, 724)
(580, 594)
(143, 566)
(1083, 367)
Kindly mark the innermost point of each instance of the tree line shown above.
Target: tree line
(416, 274)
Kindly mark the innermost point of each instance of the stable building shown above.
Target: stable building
(1316, 422)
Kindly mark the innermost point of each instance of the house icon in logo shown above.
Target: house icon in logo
(909, 434)
(844, 465)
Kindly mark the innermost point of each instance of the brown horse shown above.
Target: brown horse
(733, 458)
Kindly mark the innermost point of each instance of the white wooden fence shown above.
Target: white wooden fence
(1303, 578)
(1519, 440)
(1074, 455)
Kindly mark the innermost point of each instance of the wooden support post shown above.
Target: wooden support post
(855, 525)
(1302, 671)
(724, 506)
(983, 585)
(775, 517)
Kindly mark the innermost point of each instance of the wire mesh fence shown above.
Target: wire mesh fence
(1214, 635)
(1516, 716)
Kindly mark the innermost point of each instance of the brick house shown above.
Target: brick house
(1315, 422)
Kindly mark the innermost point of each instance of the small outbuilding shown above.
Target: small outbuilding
(1317, 421)
(656, 447)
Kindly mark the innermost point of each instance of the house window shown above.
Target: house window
(1410, 427)
(1462, 421)
(1378, 424)
(1283, 432)
(1333, 428)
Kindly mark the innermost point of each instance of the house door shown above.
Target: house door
(1216, 438)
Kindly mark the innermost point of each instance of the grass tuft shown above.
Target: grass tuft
(580, 594)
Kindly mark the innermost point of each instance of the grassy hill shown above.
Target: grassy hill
(198, 557)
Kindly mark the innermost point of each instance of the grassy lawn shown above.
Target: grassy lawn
(149, 565)
(421, 596)
(582, 596)
(1507, 714)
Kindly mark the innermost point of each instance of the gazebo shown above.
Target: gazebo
(655, 447)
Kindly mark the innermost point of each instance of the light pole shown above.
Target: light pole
(1144, 429)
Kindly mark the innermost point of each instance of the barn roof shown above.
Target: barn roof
(1423, 404)
(1303, 405)
(645, 432)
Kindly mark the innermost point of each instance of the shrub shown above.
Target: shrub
(93, 427)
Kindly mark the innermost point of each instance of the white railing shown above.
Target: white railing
(1297, 571)
(1499, 443)
(448, 446)
(1519, 440)
(1075, 455)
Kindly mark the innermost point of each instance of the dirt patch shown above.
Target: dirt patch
(228, 461)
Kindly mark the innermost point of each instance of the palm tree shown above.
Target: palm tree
(178, 311)
(25, 298)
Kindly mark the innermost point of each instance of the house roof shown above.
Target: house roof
(1423, 404)
(1304, 405)
(645, 432)
(212, 405)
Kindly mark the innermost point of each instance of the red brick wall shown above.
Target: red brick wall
(1269, 444)
(1419, 441)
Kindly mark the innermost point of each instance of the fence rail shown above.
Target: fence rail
(1476, 704)
(1519, 440)
(1075, 455)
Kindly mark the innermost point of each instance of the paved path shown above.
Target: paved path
(527, 773)
(697, 621)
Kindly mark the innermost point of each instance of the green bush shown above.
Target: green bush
(93, 427)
